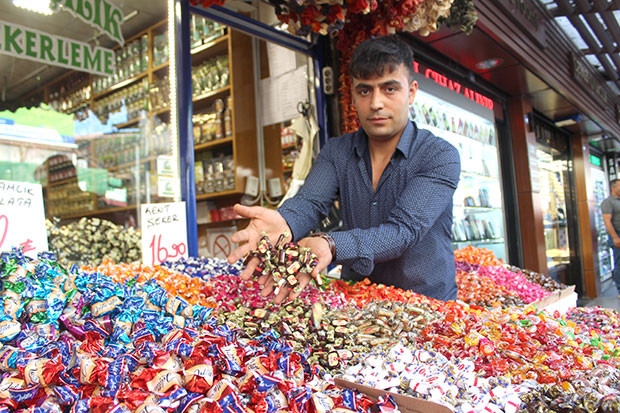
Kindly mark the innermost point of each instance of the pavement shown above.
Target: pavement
(608, 299)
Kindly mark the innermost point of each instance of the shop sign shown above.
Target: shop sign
(22, 218)
(582, 74)
(164, 232)
(453, 85)
(31, 44)
(97, 13)
(596, 160)
(527, 17)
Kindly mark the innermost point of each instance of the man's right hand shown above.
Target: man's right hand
(262, 221)
(616, 242)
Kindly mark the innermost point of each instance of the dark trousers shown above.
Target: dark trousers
(616, 264)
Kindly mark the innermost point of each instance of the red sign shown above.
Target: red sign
(455, 86)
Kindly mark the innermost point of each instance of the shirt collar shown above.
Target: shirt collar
(404, 144)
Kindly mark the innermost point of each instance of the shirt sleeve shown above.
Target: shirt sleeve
(312, 202)
(418, 208)
(606, 207)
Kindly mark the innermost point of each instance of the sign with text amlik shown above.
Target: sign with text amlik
(164, 232)
(22, 218)
(99, 14)
(31, 44)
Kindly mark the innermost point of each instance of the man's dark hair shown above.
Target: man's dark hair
(372, 56)
(613, 182)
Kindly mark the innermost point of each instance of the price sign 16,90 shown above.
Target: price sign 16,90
(161, 252)
(164, 232)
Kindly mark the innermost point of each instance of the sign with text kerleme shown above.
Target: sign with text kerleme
(22, 218)
(99, 14)
(164, 232)
(32, 44)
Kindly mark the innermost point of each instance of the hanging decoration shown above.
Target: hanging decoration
(353, 21)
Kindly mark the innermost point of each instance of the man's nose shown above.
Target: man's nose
(376, 101)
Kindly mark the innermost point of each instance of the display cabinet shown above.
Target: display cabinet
(478, 204)
(605, 254)
(224, 118)
(134, 103)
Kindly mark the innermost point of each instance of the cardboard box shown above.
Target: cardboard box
(406, 404)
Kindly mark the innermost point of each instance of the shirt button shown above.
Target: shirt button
(374, 203)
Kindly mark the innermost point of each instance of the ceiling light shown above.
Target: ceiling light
(38, 6)
(130, 16)
(489, 63)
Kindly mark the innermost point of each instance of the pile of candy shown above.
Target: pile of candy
(283, 262)
(91, 240)
(133, 337)
(79, 341)
(486, 281)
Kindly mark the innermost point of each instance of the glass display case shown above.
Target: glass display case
(478, 201)
(605, 255)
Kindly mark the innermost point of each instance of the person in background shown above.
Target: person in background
(394, 183)
(610, 207)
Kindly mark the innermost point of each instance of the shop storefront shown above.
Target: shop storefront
(460, 113)
(214, 120)
(553, 111)
(210, 106)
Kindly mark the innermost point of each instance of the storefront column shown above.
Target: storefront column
(528, 198)
(586, 205)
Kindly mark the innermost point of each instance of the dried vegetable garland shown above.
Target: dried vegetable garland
(353, 21)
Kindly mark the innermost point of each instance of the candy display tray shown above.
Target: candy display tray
(561, 299)
(406, 404)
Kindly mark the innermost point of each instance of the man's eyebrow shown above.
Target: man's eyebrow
(391, 82)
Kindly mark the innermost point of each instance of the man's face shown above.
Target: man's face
(615, 189)
(382, 102)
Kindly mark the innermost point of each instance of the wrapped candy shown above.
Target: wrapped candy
(284, 262)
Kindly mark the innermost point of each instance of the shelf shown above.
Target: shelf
(160, 111)
(212, 94)
(226, 222)
(475, 209)
(120, 85)
(129, 164)
(128, 123)
(98, 212)
(481, 241)
(214, 195)
(161, 66)
(61, 182)
(214, 143)
(209, 44)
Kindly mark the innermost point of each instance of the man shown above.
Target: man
(394, 183)
(610, 208)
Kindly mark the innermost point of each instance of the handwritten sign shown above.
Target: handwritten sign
(22, 218)
(164, 232)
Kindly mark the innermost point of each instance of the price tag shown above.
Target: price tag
(22, 218)
(164, 232)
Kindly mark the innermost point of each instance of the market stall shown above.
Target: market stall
(189, 335)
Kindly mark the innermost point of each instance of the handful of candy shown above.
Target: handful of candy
(284, 262)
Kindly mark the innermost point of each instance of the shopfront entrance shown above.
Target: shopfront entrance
(557, 201)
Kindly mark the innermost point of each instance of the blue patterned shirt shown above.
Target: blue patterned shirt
(398, 235)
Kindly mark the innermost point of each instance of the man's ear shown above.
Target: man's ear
(413, 89)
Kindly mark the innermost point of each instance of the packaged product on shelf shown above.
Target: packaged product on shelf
(228, 117)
